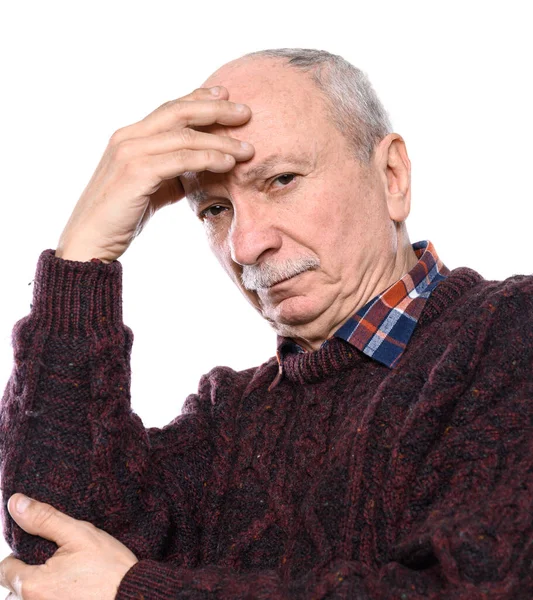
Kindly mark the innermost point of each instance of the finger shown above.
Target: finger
(39, 518)
(178, 139)
(212, 93)
(185, 113)
(215, 93)
(174, 164)
(12, 573)
(205, 112)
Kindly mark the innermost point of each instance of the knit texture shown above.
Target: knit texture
(347, 480)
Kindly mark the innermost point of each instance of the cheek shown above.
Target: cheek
(220, 248)
(216, 233)
(325, 220)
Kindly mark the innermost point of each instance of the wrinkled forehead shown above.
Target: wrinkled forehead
(277, 137)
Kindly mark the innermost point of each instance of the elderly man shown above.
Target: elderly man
(385, 452)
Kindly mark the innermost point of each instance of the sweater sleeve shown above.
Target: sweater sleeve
(68, 435)
(470, 505)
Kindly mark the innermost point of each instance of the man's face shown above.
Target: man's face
(302, 210)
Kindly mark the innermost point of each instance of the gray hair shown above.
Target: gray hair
(266, 274)
(350, 98)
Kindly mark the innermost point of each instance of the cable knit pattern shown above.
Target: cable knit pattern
(346, 480)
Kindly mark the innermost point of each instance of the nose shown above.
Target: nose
(252, 234)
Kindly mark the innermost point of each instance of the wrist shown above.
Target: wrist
(80, 256)
(77, 298)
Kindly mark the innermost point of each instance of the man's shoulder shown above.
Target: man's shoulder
(222, 389)
(240, 381)
(512, 296)
(497, 317)
(481, 314)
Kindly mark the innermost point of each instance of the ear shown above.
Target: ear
(394, 167)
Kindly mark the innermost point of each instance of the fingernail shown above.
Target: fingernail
(22, 503)
(215, 90)
(240, 107)
(246, 146)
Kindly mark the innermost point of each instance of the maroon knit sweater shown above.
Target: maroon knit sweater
(347, 480)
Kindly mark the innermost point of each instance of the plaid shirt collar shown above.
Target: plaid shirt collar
(383, 327)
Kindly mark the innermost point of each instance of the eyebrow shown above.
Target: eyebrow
(257, 171)
(260, 170)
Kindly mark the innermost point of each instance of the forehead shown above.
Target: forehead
(289, 116)
(248, 79)
(283, 100)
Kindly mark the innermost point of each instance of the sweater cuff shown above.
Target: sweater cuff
(77, 299)
(151, 580)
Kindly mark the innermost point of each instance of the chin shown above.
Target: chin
(292, 312)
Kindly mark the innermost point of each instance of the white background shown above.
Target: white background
(455, 77)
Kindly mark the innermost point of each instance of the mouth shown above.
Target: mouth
(282, 281)
(269, 277)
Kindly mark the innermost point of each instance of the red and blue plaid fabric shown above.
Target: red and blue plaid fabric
(383, 327)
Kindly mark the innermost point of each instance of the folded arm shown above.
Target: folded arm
(68, 435)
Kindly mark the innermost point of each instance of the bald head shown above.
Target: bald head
(348, 96)
(254, 80)
(248, 64)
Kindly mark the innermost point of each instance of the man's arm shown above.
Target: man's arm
(68, 435)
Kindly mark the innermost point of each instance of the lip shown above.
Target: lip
(279, 283)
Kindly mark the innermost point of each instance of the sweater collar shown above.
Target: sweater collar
(382, 328)
(339, 354)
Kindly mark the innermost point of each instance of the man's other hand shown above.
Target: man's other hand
(138, 173)
(88, 565)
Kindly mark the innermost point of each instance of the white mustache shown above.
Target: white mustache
(265, 275)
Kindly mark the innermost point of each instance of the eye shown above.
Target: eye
(211, 212)
(284, 179)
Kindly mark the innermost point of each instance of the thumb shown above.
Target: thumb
(39, 518)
